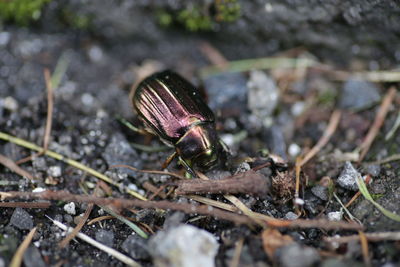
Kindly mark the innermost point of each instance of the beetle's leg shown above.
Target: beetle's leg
(225, 148)
(187, 167)
(168, 160)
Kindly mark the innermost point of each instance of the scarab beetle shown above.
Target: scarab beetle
(173, 109)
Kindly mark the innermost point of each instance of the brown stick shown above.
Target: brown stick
(187, 208)
(14, 167)
(25, 205)
(378, 122)
(249, 182)
(120, 203)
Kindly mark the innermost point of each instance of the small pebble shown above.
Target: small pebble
(21, 219)
(358, 94)
(263, 94)
(296, 255)
(335, 216)
(54, 171)
(320, 192)
(70, 208)
(105, 237)
(136, 247)
(291, 216)
(294, 150)
(347, 178)
(181, 245)
(32, 257)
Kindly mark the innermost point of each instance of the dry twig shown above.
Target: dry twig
(329, 131)
(378, 122)
(14, 167)
(17, 258)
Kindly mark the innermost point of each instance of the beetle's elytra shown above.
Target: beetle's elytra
(173, 109)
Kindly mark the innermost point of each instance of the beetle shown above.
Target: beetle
(174, 110)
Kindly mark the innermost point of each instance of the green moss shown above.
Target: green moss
(201, 17)
(21, 11)
(227, 10)
(76, 21)
(194, 20)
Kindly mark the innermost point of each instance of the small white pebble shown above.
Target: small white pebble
(38, 190)
(294, 150)
(335, 216)
(70, 208)
(10, 103)
(54, 171)
(297, 108)
(299, 201)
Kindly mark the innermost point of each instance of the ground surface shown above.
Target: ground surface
(106, 60)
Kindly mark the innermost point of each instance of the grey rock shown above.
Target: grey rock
(118, 151)
(174, 219)
(21, 219)
(263, 94)
(347, 178)
(275, 140)
(32, 257)
(182, 246)
(105, 237)
(291, 216)
(358, 94)
(320, 192)
(136, 247)
(226, 90)
(2, 262)
(373, 169)
(296, 255)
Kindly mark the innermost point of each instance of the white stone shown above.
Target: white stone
(70, 208)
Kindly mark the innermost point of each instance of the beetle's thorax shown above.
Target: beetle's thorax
(198, 145)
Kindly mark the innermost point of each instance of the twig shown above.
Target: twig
(238, 251)
(14, 167)
(378, 122)
(395, 127)
(121, 203)
(372, 237)
(76, 164)
(394, 157)
(213, 55)
(77, 228)
(25, 205)
(364, 248)
(330, 129)
(116, 254)
(17, 258)
(249, 182)
(148, 171)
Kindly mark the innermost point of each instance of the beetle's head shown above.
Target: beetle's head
(200, 146)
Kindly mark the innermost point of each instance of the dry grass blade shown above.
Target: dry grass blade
(14, 167)
(17, 258)
(112, 252)
(329, 131)
(364, 248)
(378, 122)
